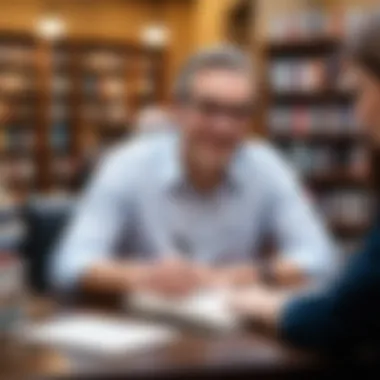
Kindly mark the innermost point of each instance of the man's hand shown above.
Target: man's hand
(171, 277)
(260, 304)
(233, 276)
(174, 276)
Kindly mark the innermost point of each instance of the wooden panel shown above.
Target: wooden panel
(110, 18)
(19, 15)
(178, 16)
(210, 21)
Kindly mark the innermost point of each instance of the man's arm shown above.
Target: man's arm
(84, 255)
(305, 249)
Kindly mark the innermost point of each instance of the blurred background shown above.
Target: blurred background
(76, 76)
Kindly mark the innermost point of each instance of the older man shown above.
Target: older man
(192, 208)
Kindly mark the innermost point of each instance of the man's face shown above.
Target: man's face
(215, 118)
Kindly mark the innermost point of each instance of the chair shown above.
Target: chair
(45, 218)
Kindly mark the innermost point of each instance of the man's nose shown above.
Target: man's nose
(223, 123)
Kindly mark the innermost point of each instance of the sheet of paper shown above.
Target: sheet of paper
(207, 308)
(101, 335)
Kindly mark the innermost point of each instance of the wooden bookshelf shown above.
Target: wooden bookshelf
(341, 140)
(349, 230)
(306, 47)
(108, 98)
(43, 96)
(327, 96)
(336, 178)
(20, 113)
(60, 168)
(318, 138)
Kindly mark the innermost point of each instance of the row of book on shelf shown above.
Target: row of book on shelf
(313, 22)
(306, 75)
(24, 139)
(16, 83)
(312, 120)
(347, 207)
(21, 169)
(13, 53)
(103, 113)
(115, 112)
(94, 59)
(105, 87)
(97, 84)
(325, 160)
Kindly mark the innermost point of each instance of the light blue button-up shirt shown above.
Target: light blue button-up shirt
(139, 205)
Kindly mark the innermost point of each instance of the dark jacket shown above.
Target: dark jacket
(346, 315)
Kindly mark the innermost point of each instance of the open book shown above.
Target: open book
(101, 335)
(207, 309)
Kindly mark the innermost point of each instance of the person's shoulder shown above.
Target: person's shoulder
(138, 150)
(260, 153)
(137, 155)
(268, 165)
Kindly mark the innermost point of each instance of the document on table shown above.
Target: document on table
(100, 335)
(206, 308)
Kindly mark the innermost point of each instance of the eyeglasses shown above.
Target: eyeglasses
(213, 108)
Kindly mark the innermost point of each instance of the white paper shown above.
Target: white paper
(103, 335)
(207, 308)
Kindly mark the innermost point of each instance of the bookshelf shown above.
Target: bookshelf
(113, 81)
(309, 118)
(20, 113)
(63, 101)
(61, 105)
(314, 46)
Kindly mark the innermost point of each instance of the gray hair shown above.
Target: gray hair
(225, 57)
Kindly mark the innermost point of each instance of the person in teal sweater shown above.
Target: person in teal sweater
(345, 315)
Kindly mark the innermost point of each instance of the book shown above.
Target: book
(99, 335)
(206, 309)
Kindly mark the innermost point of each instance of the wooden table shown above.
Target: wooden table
(194, 354)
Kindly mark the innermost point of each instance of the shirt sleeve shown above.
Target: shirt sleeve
(101, 215)
(295, 225)
(347, 314)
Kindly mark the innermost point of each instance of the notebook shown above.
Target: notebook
(207, 308)
(100, 335)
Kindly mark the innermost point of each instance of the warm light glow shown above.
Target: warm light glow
(155, 35)
(51, 27)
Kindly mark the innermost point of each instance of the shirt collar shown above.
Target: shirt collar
(172, 167)
(174, 175)
(236, 171)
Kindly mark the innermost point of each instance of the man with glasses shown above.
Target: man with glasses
(192, 209)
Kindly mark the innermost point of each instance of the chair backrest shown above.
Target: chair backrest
(45, 219)
(11, 228)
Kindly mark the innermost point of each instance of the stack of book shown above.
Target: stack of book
(301, 120)
(310, 116)
(347, 207)
(313, 23)
(304, 74)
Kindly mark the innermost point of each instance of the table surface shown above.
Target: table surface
(194, 353)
